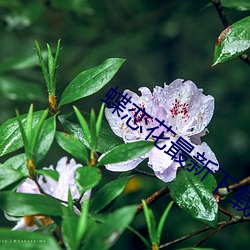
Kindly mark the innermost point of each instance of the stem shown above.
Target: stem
(152, 198)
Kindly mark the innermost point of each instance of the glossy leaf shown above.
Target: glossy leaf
(20, 204)
(105, 235)
(108, 193)
(18, 162)
(90, 81)
(10, 136)
(8, 176)
(16, 240)
(195, 197)
(233, 41)
(151, 223)
(107, 139)
(53, 174)
(73, 146)
(126, 152)
(87, 177)
(162, 221)
(19, 90)
(241, 5)
(46, 138)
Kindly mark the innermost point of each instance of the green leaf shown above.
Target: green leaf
(126, 152)
(20, 204)
(151, 223)
(19, 90)
(46, 137)
(16, 240)
(84, 125)
(92, 127)
(162, 221)
(143, 239)
(8, 176)
(10, 136)
(18, 162)
(53, 174)
(105, 235)
(78, 6)
(233, 41)
(69, 230)
(73, 146)
(99, 121)
(241, 5)
(195, 197)
(107, 139)
(90, 81)
(87, 177)
(108, 193)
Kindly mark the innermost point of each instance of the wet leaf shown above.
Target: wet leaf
(195, 197)
(90, 81)
(233, 41)
(10, 136)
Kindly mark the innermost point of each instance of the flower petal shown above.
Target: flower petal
(209, 154)
(188, 110)
(162, 164)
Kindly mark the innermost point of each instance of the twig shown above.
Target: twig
(234, 188)
(234, 220)
(224, 211)
(152, 198)
(226, 23)
(204, 229)
(144, 173)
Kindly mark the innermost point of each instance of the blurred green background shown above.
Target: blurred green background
(162, 41)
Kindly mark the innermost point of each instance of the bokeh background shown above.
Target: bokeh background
(161, 41)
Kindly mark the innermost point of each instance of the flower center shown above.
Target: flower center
(180, 110)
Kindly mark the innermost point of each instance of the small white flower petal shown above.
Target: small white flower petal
(209, 154)
(21, 225)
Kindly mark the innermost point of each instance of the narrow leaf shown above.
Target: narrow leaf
(84, 125)
(105, 235)
(126, 152)
(73, 146)
(99, 121)
(108, 193)
(90, 81)
(162, 221)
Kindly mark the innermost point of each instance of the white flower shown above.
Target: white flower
(58, 189)
(182, 106)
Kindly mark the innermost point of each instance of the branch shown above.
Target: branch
(226, 23)
(234, 188)
(234, 220)
(152, 198)
(144, 173)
